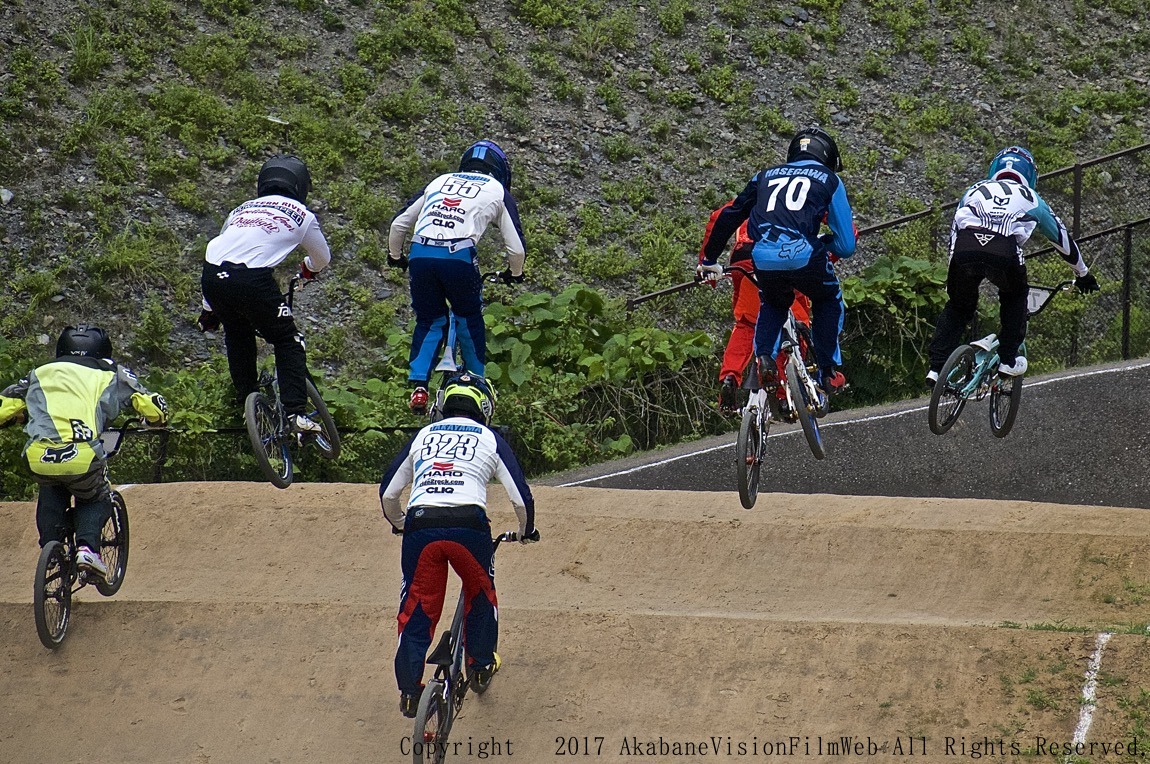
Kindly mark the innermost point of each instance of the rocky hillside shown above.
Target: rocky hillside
(130, 128)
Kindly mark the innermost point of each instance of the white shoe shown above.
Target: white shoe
(931, 378)
(987, 343)
(1017, 369)
(303, 424)
(89, 560)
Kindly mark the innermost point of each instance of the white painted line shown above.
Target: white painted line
(125, 486)
(1086, 714)
(824, 425)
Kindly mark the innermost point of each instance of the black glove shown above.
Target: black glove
(507, 278)
(401, 263)
(208, 321)
(530, 538)
(396, 531)
(1087, 284)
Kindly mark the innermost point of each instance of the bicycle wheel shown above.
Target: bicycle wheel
(328, 440)
(1005, 395)
(805, 407)
(114, 546)
(268, 443)
(947, 400)
(52, 596)
(432, 725)
(749, 457)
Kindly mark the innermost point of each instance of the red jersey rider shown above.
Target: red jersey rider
(745, 301)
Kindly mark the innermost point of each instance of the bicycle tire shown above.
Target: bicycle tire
(52, 595)
(749, 457)
(431, 726)
(114, 546)
(268, 443)
(947, 394)
(1004, 404)
(805, 408)
(327, 441)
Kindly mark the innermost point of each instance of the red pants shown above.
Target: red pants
(745, 303)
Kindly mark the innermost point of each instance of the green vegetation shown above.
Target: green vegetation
(131, 129)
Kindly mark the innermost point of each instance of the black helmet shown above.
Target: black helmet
(816, 144)
(469, 395)
(486, 157)
(84, 340)
(286, 175)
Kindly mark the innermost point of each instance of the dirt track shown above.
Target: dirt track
(257, 625)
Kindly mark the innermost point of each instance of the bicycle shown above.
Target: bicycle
(971, 372)
(798, 398)
(451, 349)
(269, 427)
(443, 696)
(58, 576)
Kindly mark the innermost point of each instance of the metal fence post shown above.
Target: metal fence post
(1077, 201)
(1127, 274)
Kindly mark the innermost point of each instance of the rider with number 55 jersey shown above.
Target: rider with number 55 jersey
(449, 464)
(445, 222)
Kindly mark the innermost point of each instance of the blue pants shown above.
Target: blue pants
(437, 282)
(425, 559)
(817, 280)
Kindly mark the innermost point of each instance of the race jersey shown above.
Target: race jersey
(1001, 215)
(69, 402)
(449, 464)
(261, 233)
(456, 208)
(784, 207)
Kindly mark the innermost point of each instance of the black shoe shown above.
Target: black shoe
(768, 374)
(727, 404)
(481, 679)
(408, 704)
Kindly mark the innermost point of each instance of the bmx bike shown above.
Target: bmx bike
(269, 427)
(451, 358)
(58, 576)
(443, 696)
(798, 398)
(971, 373)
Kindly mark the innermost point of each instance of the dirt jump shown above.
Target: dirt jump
(258, 625)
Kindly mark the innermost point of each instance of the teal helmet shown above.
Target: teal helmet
(1014, 161)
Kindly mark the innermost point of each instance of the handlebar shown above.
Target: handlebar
(512, 536)
(113, 437)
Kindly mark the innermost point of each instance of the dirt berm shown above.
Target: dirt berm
(258, 625)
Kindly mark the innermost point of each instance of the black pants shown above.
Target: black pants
(93, 504)
(967, 270)
(248, 302)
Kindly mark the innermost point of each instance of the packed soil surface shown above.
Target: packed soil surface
(258, 625)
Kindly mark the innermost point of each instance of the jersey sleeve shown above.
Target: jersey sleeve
(840, 219)
(402, 224)
(395, 478)
(1055, 230)
(513, 240)
(510, 474)
(315, 244)
(728, 221)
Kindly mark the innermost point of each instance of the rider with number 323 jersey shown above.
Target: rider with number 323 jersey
(449, 464)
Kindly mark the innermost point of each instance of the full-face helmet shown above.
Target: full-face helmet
(469, 395)
(486, 157)
(84, 340)
(287, 175)
(815, 143)
(1014, 162)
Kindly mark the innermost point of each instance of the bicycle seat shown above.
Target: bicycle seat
(441, 655)
(987, 343)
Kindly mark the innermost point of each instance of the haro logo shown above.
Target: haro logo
(451, 202)
(442, 465)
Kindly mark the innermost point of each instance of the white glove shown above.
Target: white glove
(709, 273)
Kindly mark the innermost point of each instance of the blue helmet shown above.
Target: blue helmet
(1014, 161)
(486, 157)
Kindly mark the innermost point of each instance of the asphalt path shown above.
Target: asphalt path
(1080, 438)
